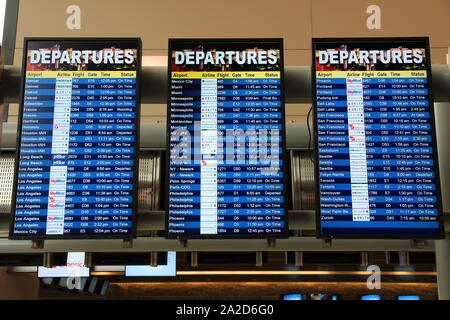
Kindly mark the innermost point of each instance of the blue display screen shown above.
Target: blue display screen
(293, 296)
(376, 160)
(76, 168)
(226, 139)
(408, 298)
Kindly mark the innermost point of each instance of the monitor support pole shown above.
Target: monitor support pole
(37, 244)
(128, 243)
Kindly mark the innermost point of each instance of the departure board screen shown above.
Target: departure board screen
(76, 164)
(226, 168)
(376, 159)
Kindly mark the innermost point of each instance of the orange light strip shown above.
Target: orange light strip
(280, 273)
(107, 273)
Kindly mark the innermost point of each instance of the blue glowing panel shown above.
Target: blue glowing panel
(75, 268)
(76, 166)
(375, 144)
(166, 270)
(226, 168)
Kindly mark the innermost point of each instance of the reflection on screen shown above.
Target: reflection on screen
(293, 296)
(75, 268)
